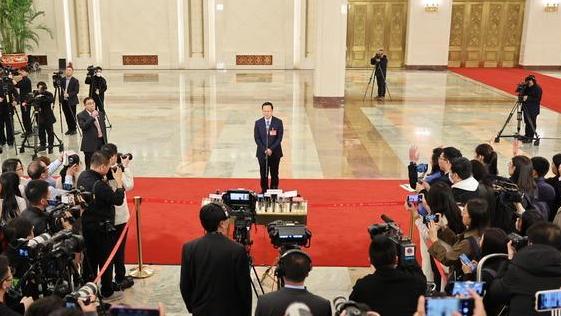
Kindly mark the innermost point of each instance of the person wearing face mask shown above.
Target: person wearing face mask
(37, 193)
(464, 185)
(98, 86)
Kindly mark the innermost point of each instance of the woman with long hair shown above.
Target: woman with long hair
(11, 204)
(475, 218)
(521, 171)
(440, 200)
(485, 154)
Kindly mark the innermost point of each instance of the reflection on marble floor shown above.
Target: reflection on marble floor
(163, 286)
(200, 123)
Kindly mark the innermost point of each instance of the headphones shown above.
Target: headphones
(281, 271)
(224, 209)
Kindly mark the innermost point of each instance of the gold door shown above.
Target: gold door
(374, 24)
(485, 33)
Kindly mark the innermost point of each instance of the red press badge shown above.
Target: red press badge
(273, 132)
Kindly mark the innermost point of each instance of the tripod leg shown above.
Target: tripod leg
(531, 123)
(257, 278)
(367, 86)
(498, 137)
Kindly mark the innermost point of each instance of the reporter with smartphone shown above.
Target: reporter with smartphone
(475, 217)
(534, 268)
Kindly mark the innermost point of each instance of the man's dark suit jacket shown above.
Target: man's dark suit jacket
(276, 303)
(260, 135)
(89, 130)
(215, 277)
(72, 90)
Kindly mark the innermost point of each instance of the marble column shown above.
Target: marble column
(330, 50)
(541, 36)
(427, 49)
(82, 27)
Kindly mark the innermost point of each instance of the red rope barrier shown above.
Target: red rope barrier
(353, 204)
(114, 251)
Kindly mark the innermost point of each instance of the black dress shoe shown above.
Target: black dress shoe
(50, 150)
(126, 283)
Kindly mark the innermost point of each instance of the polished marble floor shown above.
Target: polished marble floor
(200, 124)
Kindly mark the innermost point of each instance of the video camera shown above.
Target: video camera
(63, 243)
(57, 77)
(7, 84)
(405, 247)
(91, 70)
(289, 235)
(241, 204)
(352, 308)
(69, 203)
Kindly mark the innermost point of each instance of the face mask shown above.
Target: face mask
(98, 74)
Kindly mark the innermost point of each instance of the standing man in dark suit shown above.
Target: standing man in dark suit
(92, 124)
(294, 266)
(215, 276)
(380, 63)
(70, 88)
(268, 132)
(46, 117)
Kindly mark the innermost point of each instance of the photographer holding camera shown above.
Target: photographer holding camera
(24, 87)
(535, 267)
(531, 97)
(8, 101)
(122, 214)
(98, 220)
(294, 266)
(98, 86)
(42, 103)
(215, 276)
(392, 289)
(37, 193)
(380, 63)
(6, 279)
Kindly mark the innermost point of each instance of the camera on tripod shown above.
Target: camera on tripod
(405, 247)
(241, 204)
(7, 84)
(289, 235)
(57, 77)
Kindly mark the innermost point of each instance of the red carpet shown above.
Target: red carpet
(506, 80)
(337, 220)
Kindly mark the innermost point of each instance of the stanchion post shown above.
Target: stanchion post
(141, 271)
(411, 224)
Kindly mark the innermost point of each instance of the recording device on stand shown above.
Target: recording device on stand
(8, 89)
(34, 101)
(58, 84)
(520, 109)
(286, 236)
(376, 62)
(94, 82)
(405, 246)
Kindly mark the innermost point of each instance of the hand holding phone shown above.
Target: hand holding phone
(465, 260)
(548, 300)
(463, 288)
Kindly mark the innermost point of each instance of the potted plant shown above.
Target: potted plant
(18, 31)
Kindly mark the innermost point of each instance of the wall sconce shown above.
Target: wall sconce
(552, 6)
(431, 6)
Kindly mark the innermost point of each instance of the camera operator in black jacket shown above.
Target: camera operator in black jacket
(98, 86)
(534, 268)
(43, 101)
(24, 87)
(380, 63)
(391, 289)
(532, 97)
(98, 220)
